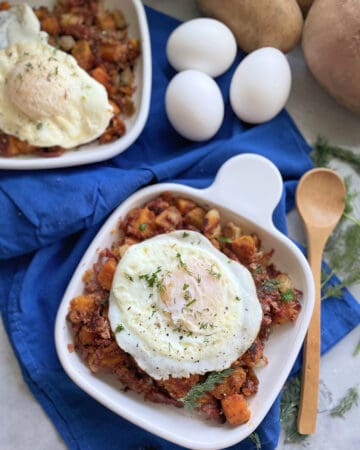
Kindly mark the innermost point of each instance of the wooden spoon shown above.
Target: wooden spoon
(320, 200)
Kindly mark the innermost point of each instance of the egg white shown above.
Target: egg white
(179, 306)
(46, 99)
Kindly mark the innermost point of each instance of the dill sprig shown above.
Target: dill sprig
(349, 400)
(324, 152)
(190, 400)
(254, 437)
(289, 407)
(357, 349)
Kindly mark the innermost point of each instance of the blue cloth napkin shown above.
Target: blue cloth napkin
(48, 219)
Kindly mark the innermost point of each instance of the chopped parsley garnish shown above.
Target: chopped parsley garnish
(119, 328)
(181, 262)
(270, 285)
(185, 286)
(129, 277)
(224, 239)
(185, 234)
(213, 273)
(237, 298)
(288, 295)
(190, 302)
(153, 280)
(142, 226)
(39, 125)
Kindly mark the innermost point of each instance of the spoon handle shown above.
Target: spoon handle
(311, 353)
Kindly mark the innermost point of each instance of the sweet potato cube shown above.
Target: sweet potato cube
(235, 409)
(81, 306)
(51, 25)
(106, 273)
(83, 55)
(100, 75)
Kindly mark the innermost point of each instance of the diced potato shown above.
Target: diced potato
(232, 231)
(169, 219)
(211, 226)
(119, 19)
(67, 20)
(184, 205)
(195, 218)
(106, 21)
(86, 335)
(141, 223)
(106, 273)
(100, 75)
(81, 305)
(113, 52)
(51, 25)
(284, 283)
(83, 55)
(230, 385)
(235, 409)
(244, 248)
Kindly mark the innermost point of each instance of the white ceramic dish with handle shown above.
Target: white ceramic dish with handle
(94, 152)
(246, 190)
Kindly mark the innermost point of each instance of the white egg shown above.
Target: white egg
(46, 99)
(179, 306)
(202, 44)
(19, 24)
(194, 105)
(260, 85)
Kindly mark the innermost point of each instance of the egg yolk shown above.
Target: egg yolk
(40, 87)
(192, 295)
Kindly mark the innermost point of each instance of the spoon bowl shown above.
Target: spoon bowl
(320, 200)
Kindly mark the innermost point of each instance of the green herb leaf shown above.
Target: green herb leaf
(349, 400)
(289, 407)
(185, 234)
(270, 285)
(197, 391)
(224, 239)
(185, 286)
(190, 302)
(237, 298)
(357, 349)
(254, 437)
(39, 125)
(324, 152)
(129, 277)
(288, 295)
(119, 328)
(213, 273)
(142, 226)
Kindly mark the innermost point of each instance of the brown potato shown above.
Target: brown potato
(258, 23)
(331, 45)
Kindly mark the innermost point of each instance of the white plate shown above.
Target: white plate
(247, 189)
(137, 28)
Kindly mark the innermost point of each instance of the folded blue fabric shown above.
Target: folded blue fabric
(49, 218)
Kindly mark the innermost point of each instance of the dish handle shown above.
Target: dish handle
(250, 185)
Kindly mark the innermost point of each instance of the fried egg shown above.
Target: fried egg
(179, 306)
(19, 24)
(46, 98)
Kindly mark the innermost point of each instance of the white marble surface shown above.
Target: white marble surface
(23, 424)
